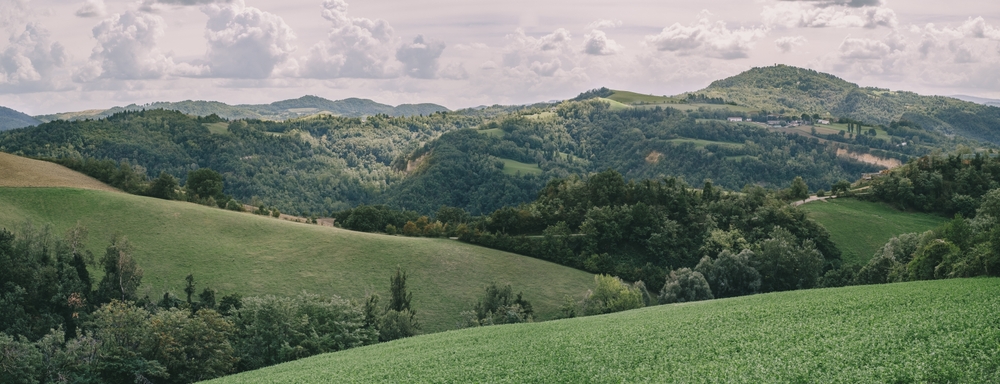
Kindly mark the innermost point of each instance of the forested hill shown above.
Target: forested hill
(789, 90)
(279, 110)
(11, 119)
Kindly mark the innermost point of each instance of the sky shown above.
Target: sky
(70, 55)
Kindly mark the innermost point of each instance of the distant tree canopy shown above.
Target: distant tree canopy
(593, 93)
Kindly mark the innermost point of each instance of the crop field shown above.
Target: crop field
(513, 167)
(859, 228)
(929, 331)
(236, 252)
(16, 171)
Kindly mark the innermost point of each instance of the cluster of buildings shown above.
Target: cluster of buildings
(775, 122)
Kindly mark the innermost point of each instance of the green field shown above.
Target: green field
(495, 132)
(249, 254)
(626, 97)
(513, 167)
(859, 228)
(702, 143)
(615, 105)
(694, 106)
(930, 331)
(217, 128)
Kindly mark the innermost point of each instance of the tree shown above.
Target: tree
(499, 305)
(799, 190)
(189, 287)
(785, 263)
(685, 285)
(399, 299)
(730, 274)
(203, 183)
(164, 187)
(192, 348)
(611, 295)
(122, 275)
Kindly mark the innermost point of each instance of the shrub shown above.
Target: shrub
(499, 305)
(685, 285)
(730, 275)
(611, 295)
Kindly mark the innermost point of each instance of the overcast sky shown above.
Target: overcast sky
(67, 55)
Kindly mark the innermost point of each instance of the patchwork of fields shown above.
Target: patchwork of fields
(928, 331)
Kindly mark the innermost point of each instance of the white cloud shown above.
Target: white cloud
(523, 49)
(706, 38)
(92, 8)
(846, 3)
(245, 42)
(151, 5)
(863, 49)
(785, 44)
(597, 43)
(605, 24)
(809, 15)
(355, 47)
(126, 49)
(546, 69)
(29, 61)
(420, 59)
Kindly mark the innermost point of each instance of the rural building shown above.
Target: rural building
(774, 122)
(736, 119)
(821, 121)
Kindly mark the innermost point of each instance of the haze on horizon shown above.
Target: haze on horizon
(65, 55)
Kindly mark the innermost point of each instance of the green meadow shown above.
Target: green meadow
(859, 228)
(242, 253)
(943, 331)
(513, 167)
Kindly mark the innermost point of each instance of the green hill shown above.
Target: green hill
(931, 331)
(783, 89)
(11, 119)
(859, 228)
(249, 254)
(279, 110)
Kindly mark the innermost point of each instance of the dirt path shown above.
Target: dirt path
(811, 199)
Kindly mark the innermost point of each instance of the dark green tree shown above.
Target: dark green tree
(164, 187)
(122, 275)
(799, 190)
(203, 183)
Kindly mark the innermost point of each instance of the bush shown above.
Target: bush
(390, 229)
(611, 295)
(684, 285)
(499, 305)
(730, 275)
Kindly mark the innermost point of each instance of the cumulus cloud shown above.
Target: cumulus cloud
(785, 44)
(245, 42)
(605, 24)
(597, 43)
(810, 15)
(863, 49)
(546, 69)
(846, 3)
(126, 49)
(92, 8)
(420, 59)
(30, 59)
(706, 38)
(150, 5)
(524, 49)
(355, 47)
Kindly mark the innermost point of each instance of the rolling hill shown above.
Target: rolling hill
(11, 119)
(859, 228)
(16, 171)
(242, 253)
(929, 331)
(279, 110)
(783, 89)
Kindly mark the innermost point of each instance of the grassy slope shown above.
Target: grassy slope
(931, 331)
(859, 228)
(239, 252)
(512, 167)
(16, 171)
(626, 97)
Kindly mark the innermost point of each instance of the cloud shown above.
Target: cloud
(706, 38)
(150, 5)
(605, 24)
(845, 3)
(863, 49)
(597, 43)
(92, 8)
(245, 42)
(547, 69)
(355, 47)
(524, 49)
(29, 61)
(420, 59)
(809, 15)
(785, 44)
(126, 49)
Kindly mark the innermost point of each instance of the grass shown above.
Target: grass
(928, 331)
(217, 128)
(859, 228)
(694, 106)
(615, 106)
(626, 97)
(495, 132)
(249, 254)
(513, 167)
(16, 171)
(702, 143)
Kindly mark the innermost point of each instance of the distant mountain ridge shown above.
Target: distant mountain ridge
(280, 110)
(11, 119)
(783, 89)
(978, 100)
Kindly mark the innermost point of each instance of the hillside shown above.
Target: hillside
(11, 119)
(252, 255)
(279, 110)
(859, 228)
(789, 90)
(933, 331)
(16, 171)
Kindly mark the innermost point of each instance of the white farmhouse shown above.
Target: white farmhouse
(736, 119)
(821, 121)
